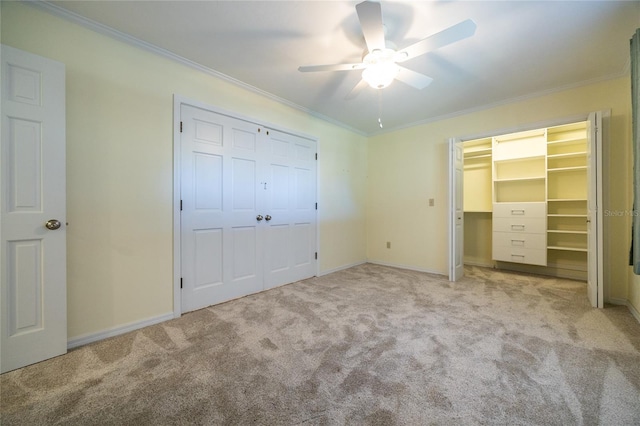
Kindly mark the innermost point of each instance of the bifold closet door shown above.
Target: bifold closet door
(248, 208)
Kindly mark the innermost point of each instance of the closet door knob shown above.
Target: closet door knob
(267, 218)
(259, 218)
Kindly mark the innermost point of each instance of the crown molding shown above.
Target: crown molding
(123, 37)
(622, 73)
(61, 12)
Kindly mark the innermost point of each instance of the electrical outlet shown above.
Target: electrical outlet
(388, 244)
(432, 202)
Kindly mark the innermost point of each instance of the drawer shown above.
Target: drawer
(520, 224)
(518, 255)
(519, 240)
(519, 210)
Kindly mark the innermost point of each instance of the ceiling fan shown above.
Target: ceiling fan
(380, 61)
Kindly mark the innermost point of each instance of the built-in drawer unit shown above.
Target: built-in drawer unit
(520, 232)
(530, 225)
(519, 240)
(520, 255)
(537, 210)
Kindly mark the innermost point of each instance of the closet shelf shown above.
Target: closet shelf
(568, 141)
(519, 159)
(476, 166)
(582, 250)
(568, 155)
(560, 200)
(469, 153)
(558, 231)
(567, 215)
(567, 169)
(520, 179)
(475, 157)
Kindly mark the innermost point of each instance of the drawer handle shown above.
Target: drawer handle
(517, 227)
(519, 256)
(517, 212)
(519, 243)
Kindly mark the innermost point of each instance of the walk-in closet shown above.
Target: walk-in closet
(525, 201)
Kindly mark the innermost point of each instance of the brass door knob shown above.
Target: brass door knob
(53, 224)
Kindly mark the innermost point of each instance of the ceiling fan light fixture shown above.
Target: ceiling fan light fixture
(381, 68)
(380, 75)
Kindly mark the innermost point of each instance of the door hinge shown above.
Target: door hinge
(180, 282)
(316, 255)
(180, 205)
(181, 127)
(316, 155)
(316, 206)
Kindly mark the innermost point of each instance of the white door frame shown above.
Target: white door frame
(177, 230)
(606, 114)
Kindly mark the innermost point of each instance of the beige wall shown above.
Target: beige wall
(119, 168)
(407, 167)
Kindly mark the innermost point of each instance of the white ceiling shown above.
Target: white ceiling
(520, 48)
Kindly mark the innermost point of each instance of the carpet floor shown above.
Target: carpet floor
(368, 345)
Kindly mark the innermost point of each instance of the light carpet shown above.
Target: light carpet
(368, 345)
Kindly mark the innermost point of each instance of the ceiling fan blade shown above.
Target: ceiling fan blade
(356, 90)
(333, 67)
(370, 16)
(413, 79)
(450, 35)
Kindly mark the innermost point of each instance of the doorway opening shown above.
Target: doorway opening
(530, 202)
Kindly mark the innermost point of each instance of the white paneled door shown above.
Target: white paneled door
(248, 208)
(290, 189)
(595, 262)
(33, 230)
(456, 211)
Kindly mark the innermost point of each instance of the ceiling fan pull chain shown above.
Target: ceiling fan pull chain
(380, 108)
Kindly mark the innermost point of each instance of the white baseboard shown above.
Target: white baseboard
(101, 335)
(625, 302)
(340, 268)
(633, 311)
(95, 337)
(411, 268)
(480, 263)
